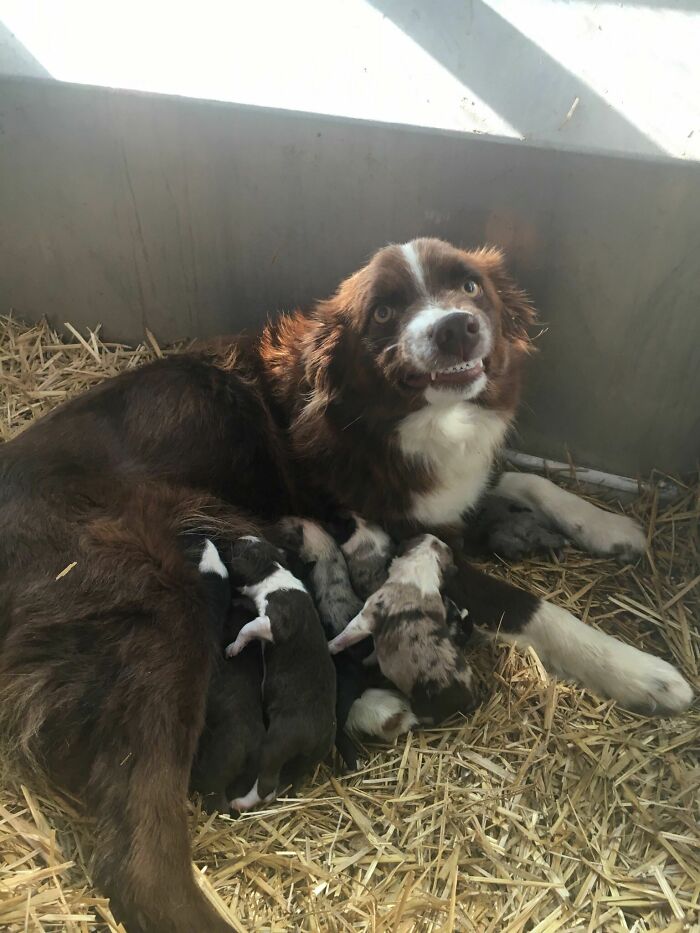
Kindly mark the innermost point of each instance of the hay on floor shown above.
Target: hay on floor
(547, 809)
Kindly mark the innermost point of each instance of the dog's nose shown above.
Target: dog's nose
(457, 334)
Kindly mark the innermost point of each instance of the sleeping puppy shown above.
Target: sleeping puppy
(226, 760)
(367, 550)
(324, 568)
(299, 682)
(327, 572)
(228, 755)
(407, 618)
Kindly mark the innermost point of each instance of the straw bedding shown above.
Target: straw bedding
(547, 809)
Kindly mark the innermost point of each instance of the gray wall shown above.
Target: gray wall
(192, 217)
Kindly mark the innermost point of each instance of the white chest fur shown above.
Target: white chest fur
(458, 443)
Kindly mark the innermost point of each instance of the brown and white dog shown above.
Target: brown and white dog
(391, 399)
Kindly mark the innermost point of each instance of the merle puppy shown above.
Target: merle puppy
(299, 680)
(407, 618)
(367, 549)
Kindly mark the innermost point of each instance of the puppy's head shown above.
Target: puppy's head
(426, 322)
(253, 559)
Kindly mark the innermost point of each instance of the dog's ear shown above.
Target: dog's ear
(519, 312)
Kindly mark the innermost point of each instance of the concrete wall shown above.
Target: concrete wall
(192, 217)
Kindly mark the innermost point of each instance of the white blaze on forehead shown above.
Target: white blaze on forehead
(413, 261)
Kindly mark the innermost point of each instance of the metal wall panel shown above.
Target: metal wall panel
(193, 218)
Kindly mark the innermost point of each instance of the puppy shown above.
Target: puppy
(322, 564)
(367, 550)
(299, 682)
(327, 570)
(228, 755)
(407, 618)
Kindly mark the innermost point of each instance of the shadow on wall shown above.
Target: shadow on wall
(514, 76)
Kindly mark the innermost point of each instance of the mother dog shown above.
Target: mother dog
(391, 399)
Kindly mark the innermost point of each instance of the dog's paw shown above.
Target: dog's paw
(607, 534)
(641, 682)
(649, 685)
(636, 680)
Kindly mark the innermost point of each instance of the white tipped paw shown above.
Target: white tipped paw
(234, 648)
(252, 799)
(611, 535)
(637, 680)
(381, 713)
(644, 683)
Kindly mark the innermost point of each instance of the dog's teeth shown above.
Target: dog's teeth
(432, 376)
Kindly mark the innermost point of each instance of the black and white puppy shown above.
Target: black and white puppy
(299, 689)
(324, 569)
(407, 618)
(226, 760)
(228, 755)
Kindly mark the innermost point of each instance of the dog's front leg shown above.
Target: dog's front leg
(589, 527)
(566, 646)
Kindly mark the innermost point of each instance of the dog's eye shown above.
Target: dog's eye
(471, 287)
(382, 314)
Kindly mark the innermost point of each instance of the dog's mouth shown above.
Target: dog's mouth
(458, 375)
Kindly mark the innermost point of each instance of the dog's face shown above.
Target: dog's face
(436, 324)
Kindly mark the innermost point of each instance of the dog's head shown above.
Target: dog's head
(426, 322)
(252, 559)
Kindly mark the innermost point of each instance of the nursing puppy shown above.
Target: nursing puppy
(228, 756)
(327, 571)
(367, 549)
(226, 761)
(299, 685)
(407, 618)
(324, 569)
